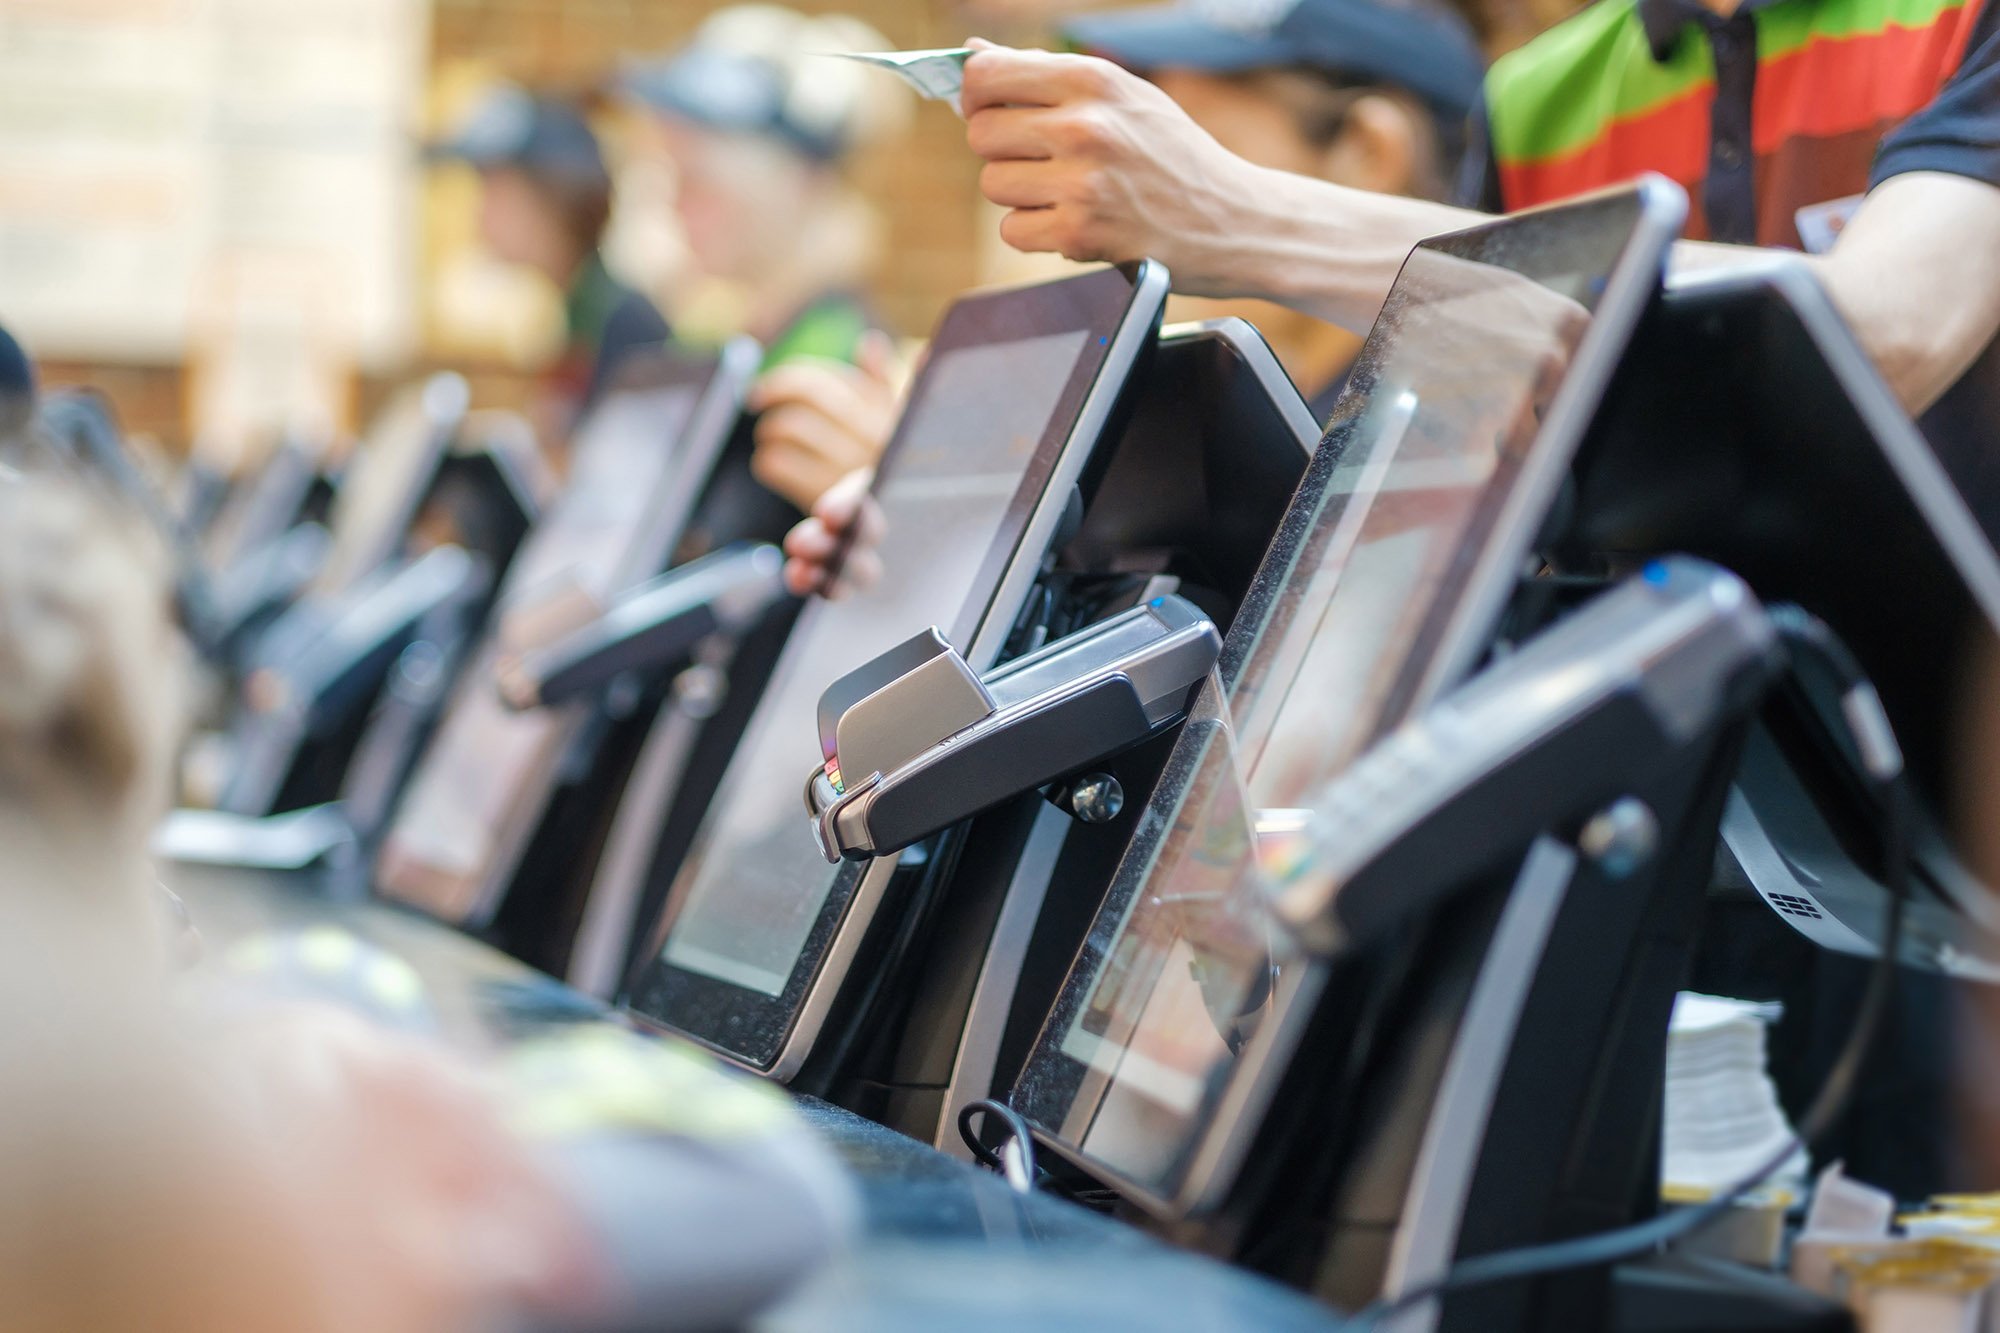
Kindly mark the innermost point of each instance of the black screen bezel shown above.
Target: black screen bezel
(1834, 445)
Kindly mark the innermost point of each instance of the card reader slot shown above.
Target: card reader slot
(1085, 650)
(1075, 703)
(1023, 751)
(875, 675)
(893, 725)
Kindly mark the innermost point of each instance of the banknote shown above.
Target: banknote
(937, 75)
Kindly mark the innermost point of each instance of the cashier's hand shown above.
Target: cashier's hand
(1098, 164)
(820, 420)
(838, 549)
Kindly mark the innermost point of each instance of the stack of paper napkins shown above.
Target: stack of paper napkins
(1723, 1120)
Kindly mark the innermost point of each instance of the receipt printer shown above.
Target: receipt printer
(916, 741)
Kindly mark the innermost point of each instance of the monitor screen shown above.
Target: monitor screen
(263, 506)
(380, 486)
(472, 798)
(753, 907)
(1388, 574)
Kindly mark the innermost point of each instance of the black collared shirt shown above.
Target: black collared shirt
(1729, 195)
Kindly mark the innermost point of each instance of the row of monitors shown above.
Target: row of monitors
(1399, 548)
(1458, 436)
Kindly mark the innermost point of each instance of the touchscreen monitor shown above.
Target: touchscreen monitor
(476, 795)
(383, 483)
(1414, 521)
(1006, 386)
(263, 506)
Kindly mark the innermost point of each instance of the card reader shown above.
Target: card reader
(654, 627)
(1544, 739)
(915, 741)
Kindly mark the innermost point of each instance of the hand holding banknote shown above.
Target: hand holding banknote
(937, 76)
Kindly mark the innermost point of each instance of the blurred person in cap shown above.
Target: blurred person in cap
(545, 202)
(1361, 93)
(762, 130)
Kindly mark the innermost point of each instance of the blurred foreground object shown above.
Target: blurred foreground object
(244, 1152)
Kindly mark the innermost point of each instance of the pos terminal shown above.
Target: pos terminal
(1409, 538)
(313, 675)
(1444, 1036)
(1181, 497)
(1790, 426)
(485, 781)
(483, 774)
(914, 746)
(836, 981)
(1782, 490)
(976, 482)
(288, 492)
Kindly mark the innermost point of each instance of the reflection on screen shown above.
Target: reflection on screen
(1180, 969)
(374, 493)
(759, 883)
(260, 506)
(461, 810)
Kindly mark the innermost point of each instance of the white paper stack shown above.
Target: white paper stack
(1723, 1120)
(1844, 1215)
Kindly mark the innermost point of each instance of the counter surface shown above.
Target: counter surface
(944, 1245)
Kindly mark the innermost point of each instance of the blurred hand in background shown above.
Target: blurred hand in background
(819, 420)
(838, 549)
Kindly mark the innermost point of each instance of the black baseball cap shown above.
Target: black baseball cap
(735, 91)
(1418, 46)
(540, 135)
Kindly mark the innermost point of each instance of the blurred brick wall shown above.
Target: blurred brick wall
(925, 186)
(150, 400)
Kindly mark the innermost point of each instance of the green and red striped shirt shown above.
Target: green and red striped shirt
(1629, 86)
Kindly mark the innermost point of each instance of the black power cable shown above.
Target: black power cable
(1019, 1136)
(1882, 763)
